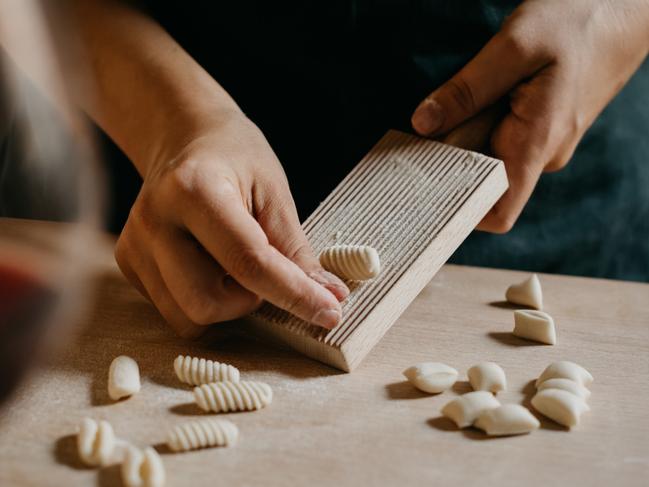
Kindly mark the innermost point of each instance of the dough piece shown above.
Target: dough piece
(354, 262)
(223, 397)
(567, 385)
(561, 406)
(96, 442)
(534, 325)
(202, 433)
(487, 376)
(509, 419)
(143, 469)
(464, 410)
(431, 377)
(527, 293)
(197, 371)
(123, 378)
(566, 370)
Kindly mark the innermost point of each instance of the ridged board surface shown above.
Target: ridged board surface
(397, 199)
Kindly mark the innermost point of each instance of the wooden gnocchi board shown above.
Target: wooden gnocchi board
(413, 199)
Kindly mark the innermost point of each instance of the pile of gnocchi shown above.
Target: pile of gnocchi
(218, 388)
(561, 389)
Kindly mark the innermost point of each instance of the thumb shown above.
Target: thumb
(492, 73)
(278, 218)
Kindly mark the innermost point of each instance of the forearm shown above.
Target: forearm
(146, 86)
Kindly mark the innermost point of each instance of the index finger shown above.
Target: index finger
(235, 239)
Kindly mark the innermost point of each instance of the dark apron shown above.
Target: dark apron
(324, 81)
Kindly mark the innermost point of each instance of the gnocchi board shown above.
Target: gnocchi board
(413, 199)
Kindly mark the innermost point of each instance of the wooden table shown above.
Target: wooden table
(364, 428)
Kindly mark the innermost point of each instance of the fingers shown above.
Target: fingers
(504, 61)
(235, 239)
(198, 284)
(278, 218)
(142, 272)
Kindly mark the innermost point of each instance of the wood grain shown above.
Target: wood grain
(414, 200)
(366, 428)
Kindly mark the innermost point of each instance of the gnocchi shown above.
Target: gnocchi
(143, 468)
(96, 442)
(506, 420)
(223, 397)
(464, 410)
(565, 369)
(431, 377)
(560, 406)
(197, 371)
(202, 434)
(567, 385)
(535, 325)
(123, 377)
(487, 376)
(526, 293)
(353, 262)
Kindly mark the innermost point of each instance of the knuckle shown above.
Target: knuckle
(201, 311)
(143, 215)
(247, 264)
(461, 94)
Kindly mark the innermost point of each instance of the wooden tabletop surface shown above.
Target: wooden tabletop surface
(366, 428)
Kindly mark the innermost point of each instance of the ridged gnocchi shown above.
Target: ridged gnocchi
(353, 262)
(123, 377)
(202, 433)
(197, 371)
(507, 420)
(534, 325)
(223, 397)
(560, 406)
(431, 377)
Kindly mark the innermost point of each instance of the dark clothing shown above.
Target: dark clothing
(325, 80)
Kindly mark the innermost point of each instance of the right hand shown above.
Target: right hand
(214, 231)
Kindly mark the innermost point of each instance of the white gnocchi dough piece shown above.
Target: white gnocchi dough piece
(526, 293)
(487, 376)
(565, 369)
(123, 377)
(431, 377)
(560, 406)
(96, 442)
(353, 262)
(464, 410)
(223, 397)
(506, 420)
(197, 371)
(203, 433)
(534, 325)
(567, 385)
(143, 468)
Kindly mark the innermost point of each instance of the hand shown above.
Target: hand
(214, 231)
(560, 63)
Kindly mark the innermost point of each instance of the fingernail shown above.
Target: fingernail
(331, 282)
(328, 318)
(428, 117)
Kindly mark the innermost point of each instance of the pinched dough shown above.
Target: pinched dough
(565, 369)
(509, 419)
(561, 406)
(197, 371)
(353, 262)
(567, 385)
(223, 397)
(464, 410)
(123, 377)
(202, 433)
(534, 325)
(143, 468)
(526, 293)
(431, 377)
(96, 442)
(487, 376)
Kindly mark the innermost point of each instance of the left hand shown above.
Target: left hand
(560, 63)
